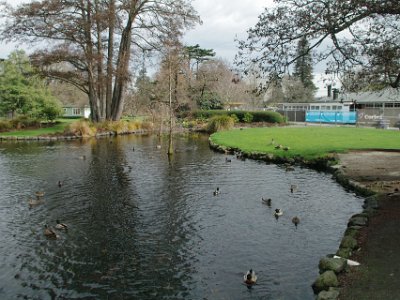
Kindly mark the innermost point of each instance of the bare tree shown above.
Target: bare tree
(96, 39)
(350, 33)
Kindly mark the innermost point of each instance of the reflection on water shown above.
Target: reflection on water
(143, 227)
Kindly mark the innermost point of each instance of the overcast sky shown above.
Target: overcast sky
(223, 21)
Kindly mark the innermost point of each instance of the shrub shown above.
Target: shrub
(235, 118)
(5, 126)
(258, 116)
(218, 123)
(81, 128)
(248, 117)
(134, 125)
(22, 122)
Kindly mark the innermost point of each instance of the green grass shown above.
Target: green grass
(57, 128)
(308, 142)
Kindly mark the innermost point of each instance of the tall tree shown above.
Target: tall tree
(303, 68)
(96, 38)
(363, 33)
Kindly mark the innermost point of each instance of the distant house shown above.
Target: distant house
(74, 111)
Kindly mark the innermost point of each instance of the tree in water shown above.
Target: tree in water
(95, 38)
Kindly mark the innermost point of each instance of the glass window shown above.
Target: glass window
(378, 104)
(76, 111)
(369, 105)
(388, 104)
(397, 104)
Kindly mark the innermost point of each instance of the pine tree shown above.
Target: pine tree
(303, 68)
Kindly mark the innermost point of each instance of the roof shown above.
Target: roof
(385, 95)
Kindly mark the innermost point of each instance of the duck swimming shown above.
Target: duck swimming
(266, 201)
(33, 202)
(250, 277)
(293, 188)
(49, 233)
(61, 226)
(278, 212)
(216, 192)
(295, 221)
(39, 194)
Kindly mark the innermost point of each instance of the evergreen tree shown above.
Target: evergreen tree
(303, 67)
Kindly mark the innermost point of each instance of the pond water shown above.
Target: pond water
(144, 227)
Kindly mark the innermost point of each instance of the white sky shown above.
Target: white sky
(223, 21)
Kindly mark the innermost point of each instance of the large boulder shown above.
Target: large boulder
(336, 265)
(344, 252)
(331, 294)
(358, 220)
(325, 281)
(348, 242)
(352, 231)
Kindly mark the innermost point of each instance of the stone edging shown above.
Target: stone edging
(326, 286)
(66, 137)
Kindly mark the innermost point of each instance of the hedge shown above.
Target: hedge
(258, 116)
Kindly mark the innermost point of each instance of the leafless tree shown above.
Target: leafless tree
(96, 39)
(348, 33)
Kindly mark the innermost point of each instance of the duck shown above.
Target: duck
(32, 202)
(61, 226)
(60, 183)
(228, 160)
(216, 192)
(49, 233)
(83, 157)
(266, 201)
(39, 194)
(293, 188)
(250, 277)
(278, 212)
(278, 146)
(286, 148)
(158, 146)
(296, 221)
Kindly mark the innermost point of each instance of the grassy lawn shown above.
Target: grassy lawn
(58, 127)
(308, 142)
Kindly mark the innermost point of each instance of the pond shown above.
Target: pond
(145, 227)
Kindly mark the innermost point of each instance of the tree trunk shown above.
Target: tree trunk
(110, 59)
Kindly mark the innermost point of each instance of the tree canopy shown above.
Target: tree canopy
(23, 92)
(93, 41)
(351, 34)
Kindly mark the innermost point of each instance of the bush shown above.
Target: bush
(235, 118)
(22, 122)
(248, 117)
(81, 128)
(258, 116)
(5, 126)
(218, 123)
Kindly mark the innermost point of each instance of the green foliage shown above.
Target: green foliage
(258, 116)
(307, 142)
(235, 118)
(5, 125)
(248, 117)
(23, 122)
(303, 68)
(208, 101)
(217, 123)
(22, 92)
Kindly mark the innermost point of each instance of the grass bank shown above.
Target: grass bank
(58, 127)
(307, 142)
